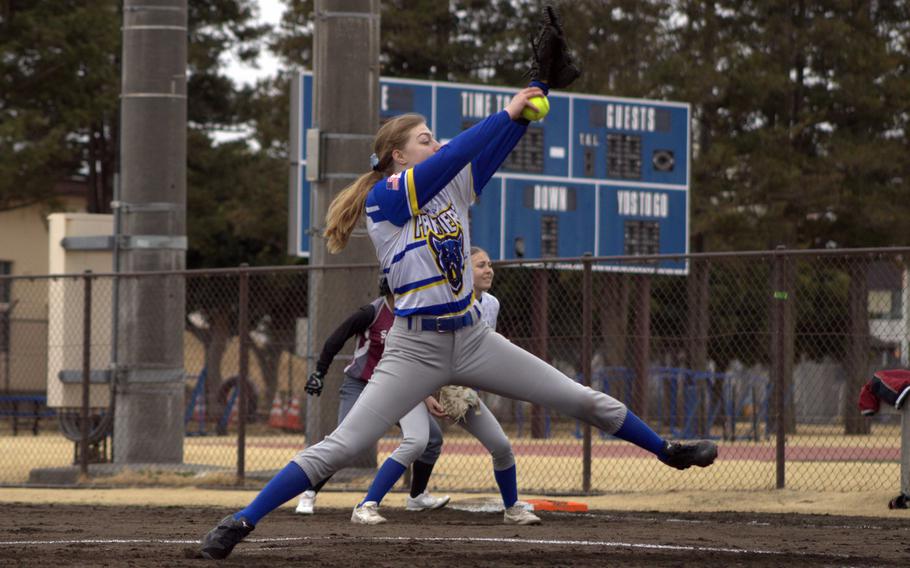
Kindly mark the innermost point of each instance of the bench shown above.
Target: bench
(25, 406)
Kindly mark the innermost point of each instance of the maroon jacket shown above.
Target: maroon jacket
(889, 385)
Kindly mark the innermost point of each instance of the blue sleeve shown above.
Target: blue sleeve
(497, 150)
(485, 165)
(400, 196)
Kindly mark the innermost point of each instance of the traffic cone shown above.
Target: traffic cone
(292, 419)
(276, 415)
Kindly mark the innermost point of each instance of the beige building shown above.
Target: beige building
(23, 303)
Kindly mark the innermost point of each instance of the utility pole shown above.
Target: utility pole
(148, 417)
(346, 114)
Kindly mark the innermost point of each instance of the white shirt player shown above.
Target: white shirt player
(489, 309)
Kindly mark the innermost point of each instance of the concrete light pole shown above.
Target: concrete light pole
(148, 418)
(346, 113)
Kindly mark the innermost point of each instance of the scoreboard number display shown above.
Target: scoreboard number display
(604, 175)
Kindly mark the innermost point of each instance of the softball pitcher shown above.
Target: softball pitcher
(416, 200)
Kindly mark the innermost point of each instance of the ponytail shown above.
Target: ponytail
(348, 206)
(345, 211)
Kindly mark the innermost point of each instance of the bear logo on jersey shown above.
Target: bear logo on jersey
(448, 251)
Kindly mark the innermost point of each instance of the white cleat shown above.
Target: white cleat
(426, 502)
(518, 515)
(307, 504)
(367, 514)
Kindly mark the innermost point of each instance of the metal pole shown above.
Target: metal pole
(346, 114)
(643, 352)
(856, 362)
(541, 336)
(6, 323)
(244, 332)
(86, 369)
(905, 450)
(780, 296)
(586, 348)
(148, 411)
(115, 301)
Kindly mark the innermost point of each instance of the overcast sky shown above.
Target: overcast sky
(269, 12)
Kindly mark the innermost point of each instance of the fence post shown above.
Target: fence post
(697, 312)
(244, 332)
(779, 296)
(86, 370)
(905, 450)
(541, 339)
(856, 364)
(586, 347)
(643, 351)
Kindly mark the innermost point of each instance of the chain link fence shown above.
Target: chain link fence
(763, 352)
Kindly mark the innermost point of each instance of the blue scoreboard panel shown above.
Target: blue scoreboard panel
(604, 175)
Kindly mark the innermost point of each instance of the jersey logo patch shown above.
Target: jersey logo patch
(448, 251)
(392, 182)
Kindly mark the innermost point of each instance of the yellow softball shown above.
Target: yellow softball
(541, 103)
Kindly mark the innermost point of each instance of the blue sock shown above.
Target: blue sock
(290, 482)
(508, 485)
(390, 472)
(635, 431)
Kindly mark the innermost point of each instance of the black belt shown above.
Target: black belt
(445, 324)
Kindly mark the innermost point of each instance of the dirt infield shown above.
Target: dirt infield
(106, 535)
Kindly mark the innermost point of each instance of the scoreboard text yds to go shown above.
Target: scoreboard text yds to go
(604, 175)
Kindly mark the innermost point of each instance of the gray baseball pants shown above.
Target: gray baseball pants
(417, 363)
(421, 436)
(478, 421)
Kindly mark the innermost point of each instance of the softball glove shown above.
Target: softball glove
(457, 401)
(552, 62)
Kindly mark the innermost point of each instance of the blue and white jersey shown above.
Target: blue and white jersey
(489, 309)
(418, 219)
(427, 258)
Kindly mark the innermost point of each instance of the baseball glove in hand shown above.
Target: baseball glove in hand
(552, 62)
(457, 401)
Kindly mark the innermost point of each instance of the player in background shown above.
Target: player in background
(483, 281)
(421, 436)
(416, 199)
(489, 304)
(479, 421)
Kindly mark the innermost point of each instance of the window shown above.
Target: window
(589, 162)
(885, 304)
(641, 238)
(597, 115)
(549, 236)
(527, 156)
(528, 153)
(623, 156)
(396, 98)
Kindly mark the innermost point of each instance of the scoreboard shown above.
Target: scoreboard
(604, 175)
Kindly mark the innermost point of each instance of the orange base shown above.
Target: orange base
(563, 506)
